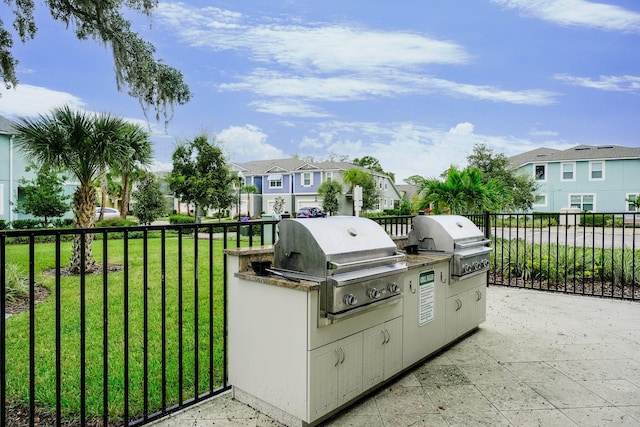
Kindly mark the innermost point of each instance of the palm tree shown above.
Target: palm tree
(462, 192)
(248, 190)
(84, 144)
(129, 168)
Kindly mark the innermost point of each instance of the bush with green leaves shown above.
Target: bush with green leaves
(560, 264)
(181, 219)
(115, 222)
(26, 224)
(16, 283)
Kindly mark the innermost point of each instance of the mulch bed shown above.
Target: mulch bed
(19, 417)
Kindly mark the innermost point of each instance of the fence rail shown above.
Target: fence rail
(142, 333)
(595, 254)
(136, 336)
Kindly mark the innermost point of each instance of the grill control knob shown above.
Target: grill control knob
(393, 288)
(350, 299)
(373, 293)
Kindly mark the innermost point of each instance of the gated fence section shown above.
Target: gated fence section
(139, 332)
(595, 254)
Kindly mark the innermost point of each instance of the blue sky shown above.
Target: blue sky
(414, 83)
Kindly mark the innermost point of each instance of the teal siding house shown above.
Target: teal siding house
(12, 170)
(590, 178)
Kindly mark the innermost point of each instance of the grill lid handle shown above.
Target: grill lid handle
(473, 244)
(332, 265)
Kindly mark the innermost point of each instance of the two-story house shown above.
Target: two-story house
(590, 178)
(13, 168)
(297, 181)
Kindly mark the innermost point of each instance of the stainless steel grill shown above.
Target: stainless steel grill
(353, 258)
(456, 235)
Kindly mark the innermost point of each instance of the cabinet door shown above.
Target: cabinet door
(350, 368)
(323, 380)
(393, 348)
(454, 306)
(382, 356)
(373, 358)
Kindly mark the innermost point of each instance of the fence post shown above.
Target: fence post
(487, 225)
(487, 234)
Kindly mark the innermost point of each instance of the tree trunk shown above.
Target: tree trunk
(124, 203)
(103, 190)
(84, 216)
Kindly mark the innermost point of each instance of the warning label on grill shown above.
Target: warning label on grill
(426, 297)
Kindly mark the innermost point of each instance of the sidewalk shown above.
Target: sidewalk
(540, 359)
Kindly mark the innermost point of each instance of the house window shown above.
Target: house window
(307, 179)
(540, 172)
(386, 185)
(329, 176)
(540, 200)
(596, 171)
(632, 202)
(567, 171)
(275, 181)
(584, 202)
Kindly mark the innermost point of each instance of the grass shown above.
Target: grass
(180, 329)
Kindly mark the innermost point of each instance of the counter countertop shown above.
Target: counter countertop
(273, 280)
(423, 259)
(261, 252)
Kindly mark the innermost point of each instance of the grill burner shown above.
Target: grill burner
(456, 235)
(353, 258)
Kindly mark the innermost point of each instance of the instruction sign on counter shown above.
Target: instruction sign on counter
(426, 297)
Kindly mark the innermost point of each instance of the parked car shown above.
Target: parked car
(108, 213)
(312, 212)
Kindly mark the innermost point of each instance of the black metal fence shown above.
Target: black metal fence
(128, 340)
(595, 254)
(142, 333)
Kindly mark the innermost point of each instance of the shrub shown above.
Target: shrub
(116, 222)
(17, 282)
(63, 222)
(3, 224)
(181, 219)
(26, 224)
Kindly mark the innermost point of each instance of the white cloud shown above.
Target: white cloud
(329, 62)
(245, 143)
(465, 128)
(578, 13)
(607, 83)
(27, 100)
(317, 48)
(288, 107)
(406, 148)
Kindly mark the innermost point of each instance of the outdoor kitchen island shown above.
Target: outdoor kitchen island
(291, 361)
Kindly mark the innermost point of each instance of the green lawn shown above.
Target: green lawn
(17, 328)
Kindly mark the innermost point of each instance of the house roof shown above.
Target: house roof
(265, 167)
(6, 126)
(579, 152)
(408, 190)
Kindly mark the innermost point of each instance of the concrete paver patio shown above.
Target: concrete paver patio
(540, 359)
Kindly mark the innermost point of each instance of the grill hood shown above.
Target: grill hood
(321, 246)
